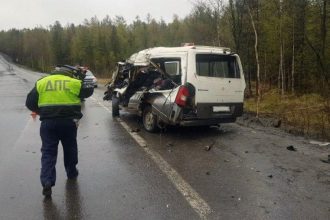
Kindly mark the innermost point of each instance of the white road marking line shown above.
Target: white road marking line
(193, 198)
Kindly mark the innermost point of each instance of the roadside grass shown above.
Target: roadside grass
(103, 81)
(308, 114)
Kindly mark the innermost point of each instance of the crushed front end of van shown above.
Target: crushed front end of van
(186, 86)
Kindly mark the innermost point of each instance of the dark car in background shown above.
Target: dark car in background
(90, 78)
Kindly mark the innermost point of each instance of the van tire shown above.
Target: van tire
(115, 106)
(149, 120)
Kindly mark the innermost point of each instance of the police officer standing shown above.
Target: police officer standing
(57, 99)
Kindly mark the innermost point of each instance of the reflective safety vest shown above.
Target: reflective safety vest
(58, 90)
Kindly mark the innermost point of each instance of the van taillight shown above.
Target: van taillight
(181, 97)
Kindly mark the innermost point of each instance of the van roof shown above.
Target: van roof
(141, 58)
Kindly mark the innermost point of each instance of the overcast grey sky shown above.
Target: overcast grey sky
(32, 13)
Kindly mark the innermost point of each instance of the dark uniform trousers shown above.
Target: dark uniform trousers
(52, 131)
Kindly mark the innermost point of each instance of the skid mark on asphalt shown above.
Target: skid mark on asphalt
(192, 197)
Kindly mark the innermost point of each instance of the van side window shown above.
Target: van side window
(214, 65)
(171, 66)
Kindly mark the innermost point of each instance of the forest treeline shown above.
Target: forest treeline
(283, 44)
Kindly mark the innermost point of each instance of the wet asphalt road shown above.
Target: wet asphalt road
(247, 174)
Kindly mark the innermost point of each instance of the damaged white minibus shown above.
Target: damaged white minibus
(185, 86)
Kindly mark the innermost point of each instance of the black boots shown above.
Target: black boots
(47, 191)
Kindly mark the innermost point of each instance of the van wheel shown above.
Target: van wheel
(115, 106)
(149, 120)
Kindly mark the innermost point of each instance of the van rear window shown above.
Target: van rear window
(215, 65)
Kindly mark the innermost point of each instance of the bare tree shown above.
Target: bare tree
(257, 58)
(324, 26)
(293, 57)
(281, 77)
(218, 9)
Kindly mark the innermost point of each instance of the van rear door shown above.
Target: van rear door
(219, 79)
